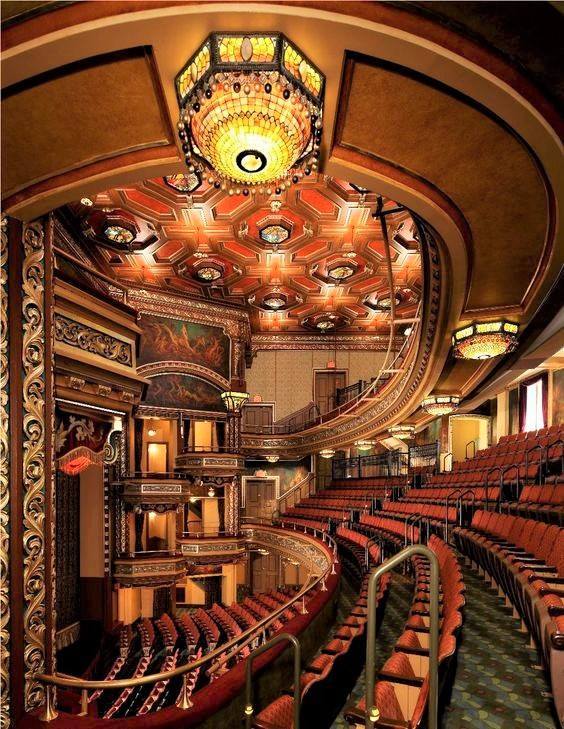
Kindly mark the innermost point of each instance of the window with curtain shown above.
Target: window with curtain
(534, 407)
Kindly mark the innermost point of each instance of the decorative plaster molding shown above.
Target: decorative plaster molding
(76, 334)
(350, 342)
(186, 368)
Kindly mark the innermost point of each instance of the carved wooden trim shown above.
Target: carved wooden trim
(76, 334)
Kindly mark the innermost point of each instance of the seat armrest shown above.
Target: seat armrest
(404, 680)
(412, 651)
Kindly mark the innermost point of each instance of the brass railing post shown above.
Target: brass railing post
(371, 712)
(84, 702)
(282, 638)
(49, 712)
(184, 698)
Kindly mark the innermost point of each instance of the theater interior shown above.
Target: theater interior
(281, 365)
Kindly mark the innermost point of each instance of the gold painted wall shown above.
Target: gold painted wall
(92, 522)
(286, 377)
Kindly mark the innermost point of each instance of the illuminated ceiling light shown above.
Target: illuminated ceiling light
(263, 552)
(251, 110)
(87, 202)
(407, 331)
(119, 234)
(151, 432)
(440, 404)
(273, 459)
(364, 445)
(327, 453)
(325, 325)
(484, 340)
(386, 302)
(275, 234)
(183, 183)
(211, 491)
(341, 272)
(404, 432)
(274, 302)
(234, 401)
(208, 273)
(193, 499)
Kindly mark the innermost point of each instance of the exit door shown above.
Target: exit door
(260, 497)
(325, 389)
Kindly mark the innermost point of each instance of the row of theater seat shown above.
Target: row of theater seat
(154, 645)
(541, 502)
(402, 688)
(325, 681)
(525, 560)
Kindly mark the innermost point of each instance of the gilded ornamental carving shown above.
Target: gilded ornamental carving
(92, 340)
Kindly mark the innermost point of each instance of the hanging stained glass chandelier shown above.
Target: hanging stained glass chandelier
(404, 432)
(327, 453)
(251, 108)
(440, 404)
(364, 445)
(484, 340)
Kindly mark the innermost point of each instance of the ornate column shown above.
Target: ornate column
(27, 500)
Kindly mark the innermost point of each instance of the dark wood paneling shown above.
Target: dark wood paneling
(92, 598)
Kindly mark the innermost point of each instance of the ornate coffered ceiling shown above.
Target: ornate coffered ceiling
(313, 253)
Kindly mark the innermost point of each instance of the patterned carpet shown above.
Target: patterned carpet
(497, 684)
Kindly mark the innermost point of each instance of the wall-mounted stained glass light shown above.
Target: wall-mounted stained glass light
(484, 340)
(234, 401)
(251, 109)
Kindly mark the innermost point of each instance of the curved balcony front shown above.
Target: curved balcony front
(161, 568)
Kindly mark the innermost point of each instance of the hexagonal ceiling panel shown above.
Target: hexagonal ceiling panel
(316, 242)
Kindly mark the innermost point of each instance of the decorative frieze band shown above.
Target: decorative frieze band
(92, 340)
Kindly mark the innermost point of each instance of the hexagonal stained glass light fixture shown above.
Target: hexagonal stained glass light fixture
(274, 302)
(208, 273)
(341, 272)
(274, 234)
(251, 110)
(183, 182)
(484, 340)
(119, 234)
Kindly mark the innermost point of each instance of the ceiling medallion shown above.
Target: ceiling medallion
(275, 233)
(440, 404)
(325, 322)
(182, 182)
(251, 110)
(404, 432)
(484, 340)
(327, 453)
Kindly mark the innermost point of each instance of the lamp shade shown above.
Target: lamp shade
(440, 404)
(484, 340)
(234, 401)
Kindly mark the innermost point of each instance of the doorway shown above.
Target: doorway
(264, 572)
(157, 457)
(326, 384)
(259, 495)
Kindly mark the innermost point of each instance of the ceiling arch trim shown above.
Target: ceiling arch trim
(183, 368)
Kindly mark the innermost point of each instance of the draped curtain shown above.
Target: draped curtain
(525, 404)
(80, 441)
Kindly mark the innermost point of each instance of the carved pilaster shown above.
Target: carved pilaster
(34, 487)
(4, 483)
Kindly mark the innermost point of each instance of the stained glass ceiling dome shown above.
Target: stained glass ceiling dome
(250, 110)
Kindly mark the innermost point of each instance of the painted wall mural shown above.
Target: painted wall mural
(183, 392)
(172, 339)
(290, 472)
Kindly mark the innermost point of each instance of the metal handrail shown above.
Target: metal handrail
(63, 681)
(451, 493)
(371, 710)
(282, 638)
(284, 496)
(473, 444)
(445, 456)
